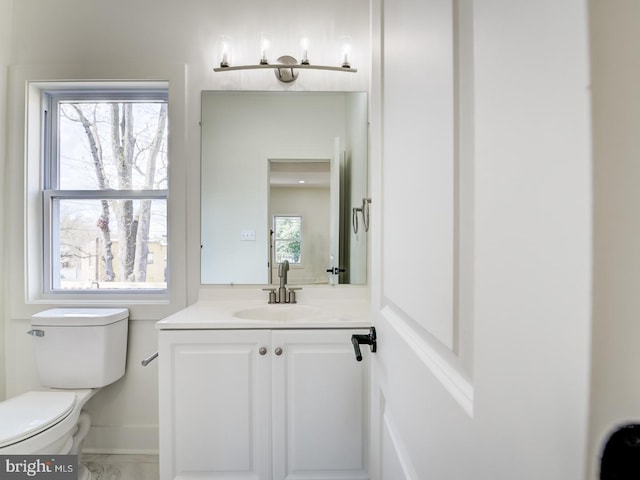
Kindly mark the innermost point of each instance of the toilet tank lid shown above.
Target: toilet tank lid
(79, 316)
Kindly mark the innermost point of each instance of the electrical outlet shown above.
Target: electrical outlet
(248, 235)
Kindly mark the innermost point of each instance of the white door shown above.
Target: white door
(480, 240)
(334, 210)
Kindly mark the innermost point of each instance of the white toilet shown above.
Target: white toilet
(78, 350)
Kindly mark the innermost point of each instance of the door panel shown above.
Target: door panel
(480, 239)
(421, 385)
(418, 207)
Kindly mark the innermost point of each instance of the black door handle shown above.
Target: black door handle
(368, 339)
(336, 270)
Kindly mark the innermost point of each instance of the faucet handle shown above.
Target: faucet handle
(292, 294)
(272, 294)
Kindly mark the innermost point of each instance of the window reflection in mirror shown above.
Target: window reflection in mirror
(287, 239)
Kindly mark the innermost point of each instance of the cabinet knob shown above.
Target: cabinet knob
(262, 351)
(278, 351)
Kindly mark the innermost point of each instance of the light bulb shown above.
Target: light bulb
(304, 43)
(346, 52)
(264, 47)
(225, 51)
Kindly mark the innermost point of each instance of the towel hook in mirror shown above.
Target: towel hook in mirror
(365, 215)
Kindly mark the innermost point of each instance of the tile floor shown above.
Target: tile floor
(121, 467)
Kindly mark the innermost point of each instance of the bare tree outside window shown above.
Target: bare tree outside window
(109, 200)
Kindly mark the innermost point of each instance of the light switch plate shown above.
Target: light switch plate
(247, 235)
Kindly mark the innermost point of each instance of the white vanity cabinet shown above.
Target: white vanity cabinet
(262, 405)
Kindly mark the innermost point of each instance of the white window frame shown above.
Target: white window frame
(50, 178)
(23, 268)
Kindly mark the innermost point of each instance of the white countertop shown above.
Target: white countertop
(321, 307)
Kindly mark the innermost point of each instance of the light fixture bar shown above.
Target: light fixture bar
(285, 66)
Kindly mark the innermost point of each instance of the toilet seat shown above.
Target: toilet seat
(31, 413)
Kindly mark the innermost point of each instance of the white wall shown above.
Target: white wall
(6, 9)
(75, 39)
(615, 384)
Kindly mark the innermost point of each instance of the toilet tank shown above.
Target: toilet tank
(80, 347)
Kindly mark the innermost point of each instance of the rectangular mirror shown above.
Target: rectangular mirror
(281, 174)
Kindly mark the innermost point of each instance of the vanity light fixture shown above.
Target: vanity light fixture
(286, 66)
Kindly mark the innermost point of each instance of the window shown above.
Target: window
(287, 238)
(105, 190)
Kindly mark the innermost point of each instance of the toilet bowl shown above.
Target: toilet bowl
(47, 422)
(78, 351)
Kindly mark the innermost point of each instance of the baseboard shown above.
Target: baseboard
(126, 439)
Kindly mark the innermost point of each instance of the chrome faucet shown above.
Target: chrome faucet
(283, 268)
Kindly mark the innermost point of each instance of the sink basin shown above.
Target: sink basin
(278, 312)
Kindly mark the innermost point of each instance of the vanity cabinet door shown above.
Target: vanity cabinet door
(320, 406)
(214, 404)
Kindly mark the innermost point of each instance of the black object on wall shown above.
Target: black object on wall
(621, 454)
